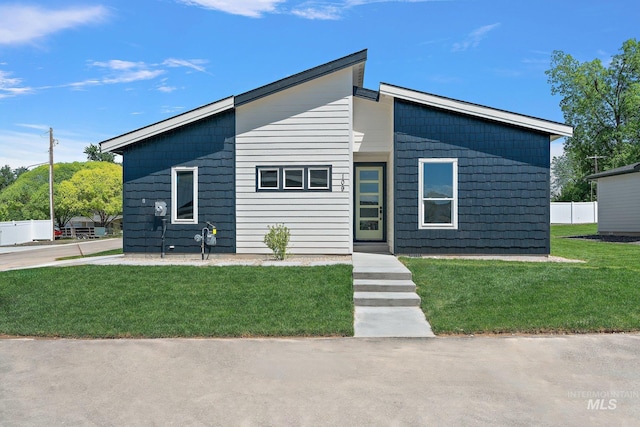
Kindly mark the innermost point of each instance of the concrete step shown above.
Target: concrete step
(372, 285)
(371, 247)
(386, 299)
(399, 272)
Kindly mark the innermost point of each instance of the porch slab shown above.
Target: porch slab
(386, 322)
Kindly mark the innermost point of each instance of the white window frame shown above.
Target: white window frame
(327, 170)
(284, 178)
(453, 225)
(174, 195)
(277, 170)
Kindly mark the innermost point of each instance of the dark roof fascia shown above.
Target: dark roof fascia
(172, 122)
(632, 168)
(360, 92)
(302, 77)
(474, 104)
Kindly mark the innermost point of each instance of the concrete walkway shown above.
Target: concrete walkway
(385, 301)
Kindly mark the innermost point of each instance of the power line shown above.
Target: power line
(595, 158)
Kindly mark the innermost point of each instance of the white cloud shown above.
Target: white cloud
(195, 64)
(166, 89)
(250, 8)
(133, 76)
(22, 23)
(166, 109)
(313, 9)
(323, 12)
(473, 39)
(117, 64)
(335, 9)
(42, 128)
(118, 71)
(11, 86)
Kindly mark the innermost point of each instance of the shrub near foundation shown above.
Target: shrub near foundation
(277, 239)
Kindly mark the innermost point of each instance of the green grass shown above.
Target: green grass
(103, 253)
(473, 296)
(177, 301)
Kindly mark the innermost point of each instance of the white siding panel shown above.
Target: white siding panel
(619, 204)
(373, 125)
(306, 125)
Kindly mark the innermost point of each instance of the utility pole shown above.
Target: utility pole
(595, 158)
(51, 212)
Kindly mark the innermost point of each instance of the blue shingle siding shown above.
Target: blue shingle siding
(207, 144)
(503, 183)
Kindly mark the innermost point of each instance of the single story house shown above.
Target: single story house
(619, 200)
(339, 164)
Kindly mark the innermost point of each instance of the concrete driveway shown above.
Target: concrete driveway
(564, 380)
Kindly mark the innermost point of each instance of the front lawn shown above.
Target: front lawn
(473, 296)
(177, 301)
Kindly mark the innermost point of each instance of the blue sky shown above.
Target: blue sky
(93, 70)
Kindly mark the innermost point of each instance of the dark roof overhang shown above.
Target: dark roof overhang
(352, 60)
(632, 168)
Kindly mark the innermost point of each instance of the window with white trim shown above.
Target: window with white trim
(268, 178)
(319, 178)
(293, 179)
(184, 195)
(438, 193)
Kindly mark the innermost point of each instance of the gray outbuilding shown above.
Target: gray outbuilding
(619, 200)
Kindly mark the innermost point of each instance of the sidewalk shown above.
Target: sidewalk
(19, 257)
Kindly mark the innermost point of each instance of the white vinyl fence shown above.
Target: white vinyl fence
(17, 232)
(574, 212)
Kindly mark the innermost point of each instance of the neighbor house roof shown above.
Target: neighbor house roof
(555, 129)
(632, 168)
(356, 61)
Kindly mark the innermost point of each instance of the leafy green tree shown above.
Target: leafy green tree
(94, 154)
(8, 175)
(28, 197)
(66, 203)
(20, 200)
(602, 103)
(98, 190)
(566, 186)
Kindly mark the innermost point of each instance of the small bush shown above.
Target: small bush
(277, 239)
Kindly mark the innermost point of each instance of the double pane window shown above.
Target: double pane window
(438, 204)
